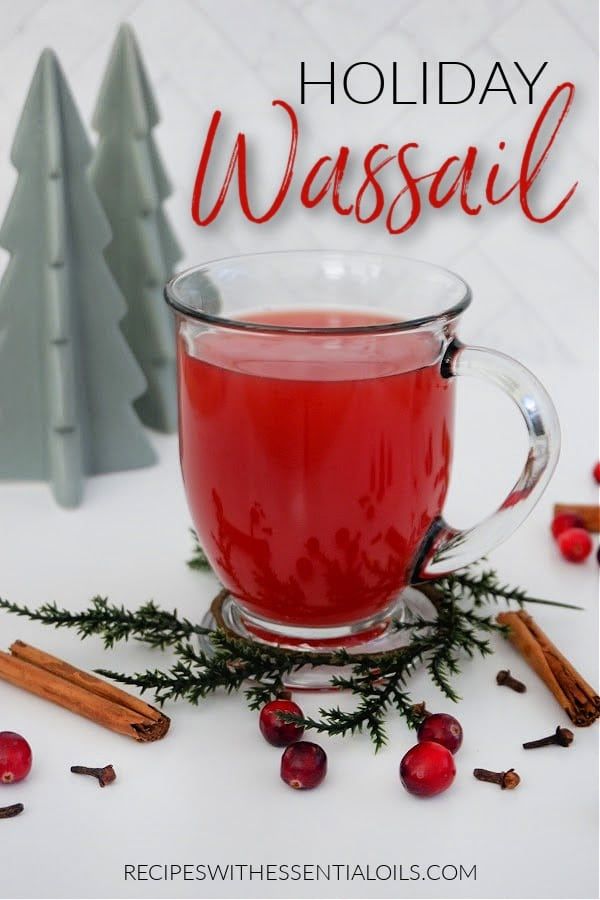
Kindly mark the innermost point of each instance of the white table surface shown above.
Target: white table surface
(210, 792)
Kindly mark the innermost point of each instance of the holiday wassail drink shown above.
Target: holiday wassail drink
(314, 464)
(316, 441)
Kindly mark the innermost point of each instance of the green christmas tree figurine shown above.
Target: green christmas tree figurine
(67, 376)
(132, 185)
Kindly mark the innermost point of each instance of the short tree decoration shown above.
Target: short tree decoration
(67, 377)
(132, 185)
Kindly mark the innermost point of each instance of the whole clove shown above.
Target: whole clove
(562, 736)
(504, 677)
(105, 775)
(507, 780)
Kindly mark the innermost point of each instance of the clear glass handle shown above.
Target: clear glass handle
(446, 548)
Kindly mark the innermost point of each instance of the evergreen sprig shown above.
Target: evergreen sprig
(458, 629)
(196, 674)
(198, 559)
(484, 586)
(149, 623)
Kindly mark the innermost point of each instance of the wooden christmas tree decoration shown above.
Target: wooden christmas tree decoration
(132, 185)
(67, 377)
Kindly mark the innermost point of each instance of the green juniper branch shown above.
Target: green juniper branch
(198, 559)
(485, 587)
(458, 629)
(149, 623)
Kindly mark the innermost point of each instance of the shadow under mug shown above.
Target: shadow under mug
(316, 403)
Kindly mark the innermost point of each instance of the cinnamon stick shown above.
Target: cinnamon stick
(588, 512)
(576, 697)
(85, 694)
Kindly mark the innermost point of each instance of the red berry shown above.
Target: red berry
(442, 729)
(15, 757)
(427, 769)
(274, 729)
(597, 472)
(575, 544)
(566, 520)
(303, 765)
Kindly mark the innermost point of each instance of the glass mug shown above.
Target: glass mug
(316, 401)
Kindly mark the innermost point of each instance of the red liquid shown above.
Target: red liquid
(314, 466)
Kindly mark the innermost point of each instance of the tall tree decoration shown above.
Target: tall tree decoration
(67, 376)
(132, 185)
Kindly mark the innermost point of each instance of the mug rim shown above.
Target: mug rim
(193, 312)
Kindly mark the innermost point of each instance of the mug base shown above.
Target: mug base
(370, 636)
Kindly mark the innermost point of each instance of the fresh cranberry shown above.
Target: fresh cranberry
(427, 769)
(15, 757)
(565, 520)
(575, 544)
(597, 472)
(442, 729)
(274, 729)
(303, 765)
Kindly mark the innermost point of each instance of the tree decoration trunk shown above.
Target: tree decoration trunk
(67, 377)
(132, 186)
